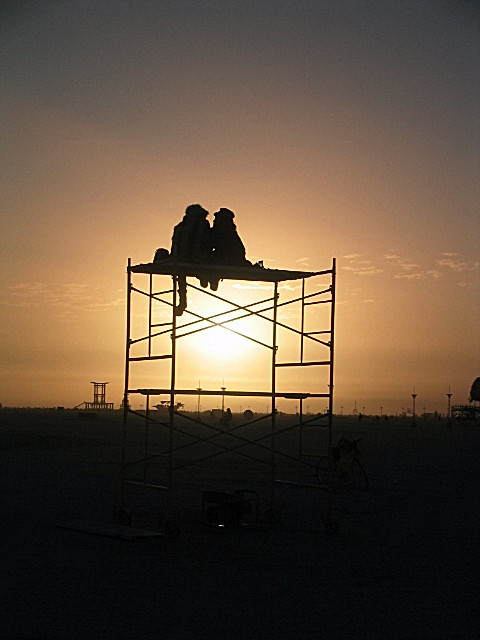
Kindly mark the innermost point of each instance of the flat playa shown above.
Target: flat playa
(403, 566)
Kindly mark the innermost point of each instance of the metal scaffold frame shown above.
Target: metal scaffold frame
(135, 474)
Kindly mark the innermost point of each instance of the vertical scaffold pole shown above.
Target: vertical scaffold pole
(150, 298)
(147, 426)
(300, 439)
(125, 391)
(172, 400)
(330, 391)
(274, 409)
(302, 327)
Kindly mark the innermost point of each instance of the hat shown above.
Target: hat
(195, 209)
(226, 212)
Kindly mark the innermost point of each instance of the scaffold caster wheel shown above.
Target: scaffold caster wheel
(172, 530)
(331, 527)
(123, 517)
(273, 518)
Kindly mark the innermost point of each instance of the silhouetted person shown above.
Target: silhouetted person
(226, 243)
(191, 242)
(226, 419)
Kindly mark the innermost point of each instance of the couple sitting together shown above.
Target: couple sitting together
(194, 241)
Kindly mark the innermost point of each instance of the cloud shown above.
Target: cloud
(458, 265)
(416, 275)
(252, 286)
(362, 268)
(352, 256)
(58, 297)
(411, 270)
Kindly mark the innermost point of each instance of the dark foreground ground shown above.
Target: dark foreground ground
(403, 566)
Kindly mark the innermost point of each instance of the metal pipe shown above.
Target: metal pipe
(273, 387)
(150, 316)
(125, 392)
(147, 423)
(302, 327)
(330, 400)
(172, 398)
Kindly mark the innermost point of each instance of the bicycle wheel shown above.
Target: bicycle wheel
(359, 477)
(323, 476)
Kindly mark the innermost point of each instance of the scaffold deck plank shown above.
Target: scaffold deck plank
(224, 272)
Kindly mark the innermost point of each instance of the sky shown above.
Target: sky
(332, 129)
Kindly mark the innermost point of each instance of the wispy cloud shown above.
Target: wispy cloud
(255, 286)
(360, 267)
(406, 275)
(409, 270)
(305, 261)
(59, 297)
(458, 265)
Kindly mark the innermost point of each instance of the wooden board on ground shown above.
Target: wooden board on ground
(111, 530)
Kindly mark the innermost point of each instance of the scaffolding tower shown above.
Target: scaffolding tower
(168, 454)
(99, 395)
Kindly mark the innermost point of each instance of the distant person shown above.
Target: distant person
(226, 419)
(191, 243)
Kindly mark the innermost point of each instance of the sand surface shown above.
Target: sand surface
(404, 565)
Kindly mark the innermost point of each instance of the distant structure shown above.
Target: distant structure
(475, 391)
(99, 393)
(469, 411)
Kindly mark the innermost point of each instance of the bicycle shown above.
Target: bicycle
(343, 469)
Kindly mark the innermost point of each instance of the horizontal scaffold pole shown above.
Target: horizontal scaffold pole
(303, 364)
(206, 392)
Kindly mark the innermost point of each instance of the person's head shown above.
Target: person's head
(223, 215)
(196, 210)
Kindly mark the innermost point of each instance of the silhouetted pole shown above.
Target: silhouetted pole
(199, 389)
(414, 395)
(223, 398)
(449, 395)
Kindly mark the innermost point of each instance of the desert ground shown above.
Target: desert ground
(404, 564)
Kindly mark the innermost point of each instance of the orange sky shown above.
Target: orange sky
(330, 130)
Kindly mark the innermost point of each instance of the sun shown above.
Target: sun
(221, 344)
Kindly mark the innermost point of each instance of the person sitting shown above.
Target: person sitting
(228, 249)
(225, 241)
(191, 243)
